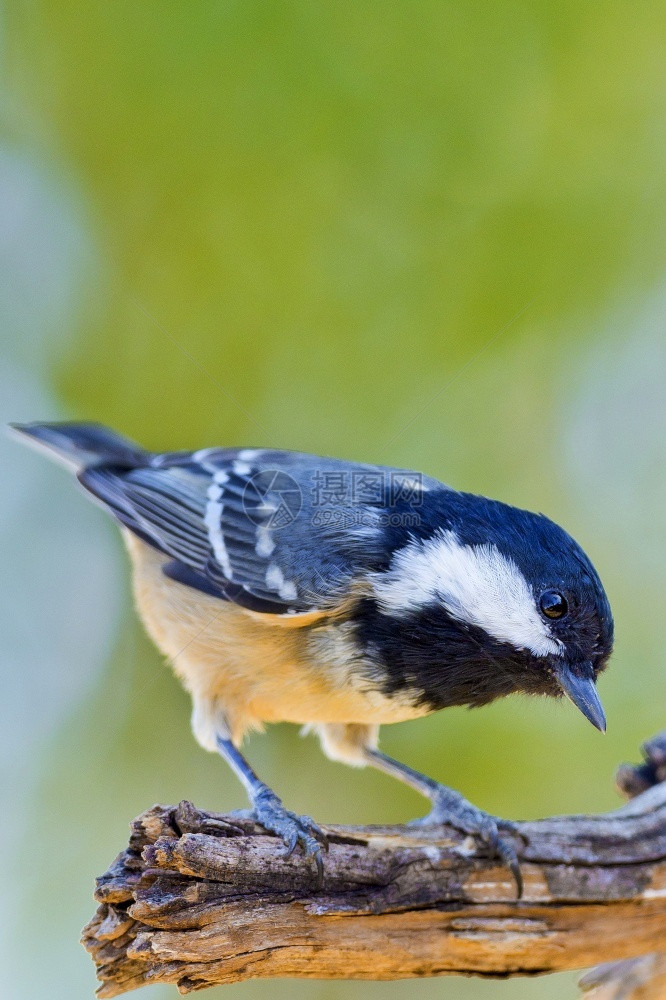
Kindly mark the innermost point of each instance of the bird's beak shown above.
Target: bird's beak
(577, 682)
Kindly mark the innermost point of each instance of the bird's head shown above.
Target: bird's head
(510, 599)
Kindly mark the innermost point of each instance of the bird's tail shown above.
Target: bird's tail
(80, 445)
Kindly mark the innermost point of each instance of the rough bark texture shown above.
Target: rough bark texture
(198, 899)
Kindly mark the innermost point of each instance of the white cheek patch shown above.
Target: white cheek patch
(475, 583)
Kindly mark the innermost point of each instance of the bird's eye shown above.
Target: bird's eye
(553, 604)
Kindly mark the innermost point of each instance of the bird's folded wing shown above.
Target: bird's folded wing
(275, 532)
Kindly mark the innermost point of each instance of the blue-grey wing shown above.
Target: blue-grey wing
(276, 532)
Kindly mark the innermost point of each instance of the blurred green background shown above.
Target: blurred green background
(430, 235)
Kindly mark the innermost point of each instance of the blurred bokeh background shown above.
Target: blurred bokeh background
(430, 235)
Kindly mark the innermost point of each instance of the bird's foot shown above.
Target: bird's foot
(449, 806)
(294, 830)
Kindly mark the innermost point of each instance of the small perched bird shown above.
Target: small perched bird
(288, 587)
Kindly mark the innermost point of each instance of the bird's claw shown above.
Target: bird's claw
(514, 828)
(507, 852)
(294, 830)
(450, 807)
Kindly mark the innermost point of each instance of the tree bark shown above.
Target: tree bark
(198, 899)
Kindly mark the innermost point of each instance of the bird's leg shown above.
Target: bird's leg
(270, 813)
(449, 806)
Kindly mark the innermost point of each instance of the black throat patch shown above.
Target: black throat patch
(441, 662)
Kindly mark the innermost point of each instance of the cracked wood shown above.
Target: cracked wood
(198, 899)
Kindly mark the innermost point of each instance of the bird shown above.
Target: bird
(341, 596)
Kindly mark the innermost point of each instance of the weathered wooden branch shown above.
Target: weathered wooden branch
(198, 899)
